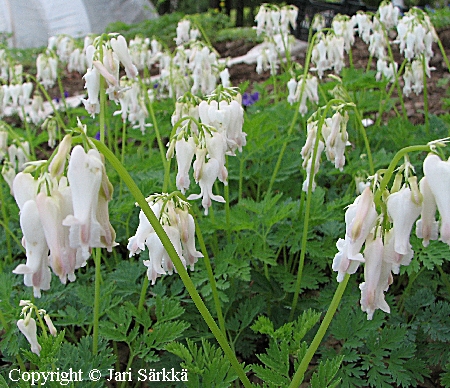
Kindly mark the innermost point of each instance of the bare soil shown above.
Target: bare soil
(437, 85)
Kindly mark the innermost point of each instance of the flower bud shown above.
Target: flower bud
(50, 325)
(58, 163)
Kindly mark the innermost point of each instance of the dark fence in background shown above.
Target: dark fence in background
(307, 9)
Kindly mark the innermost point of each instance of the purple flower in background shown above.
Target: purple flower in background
(250, 98)
(97, 136)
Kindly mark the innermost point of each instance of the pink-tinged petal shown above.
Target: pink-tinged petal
(85, 177)
(376, 276)
(185, 150)
(365, 215)
(392, 257)
(156, 253)
(208, 176)
(34, 240)
(105, 73)
(437, 173)
(341, 262)
(403, 212)
(217, 147)
(28, 329)
(120, 48)
(62, 258)
(427, 227)
(25, 187)
(174, 236)
(188, 243)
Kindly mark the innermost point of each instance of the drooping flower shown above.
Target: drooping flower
(185, 150)
(207, 177)
(92, 104)
(28, 328)
(437, 173)
(173, 215)
(36, 271)
(404, 212)
(377, 278)
(85, 176)
(360, 218)
(120, 48)
(427, 228)
(62, 256)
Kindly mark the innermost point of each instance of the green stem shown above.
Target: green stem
(227, 205)
(425, 96)
(182, 272)
(366, 140)
(5, 225)
(444, 55)
(397, 84)
(97, 261)
(141, 302)
(300, 373)
(49, 99)
(63, 97)
(21, 363)
(27, 131)
(389, 172)
(241, 177)
(388, 96)
(444, 278)
(41, 323)
(301, 263)
(294, 119)
(124, 142)
(165, 186)
(102, 109)
(212, 279)
(127, 368)
(162, 150)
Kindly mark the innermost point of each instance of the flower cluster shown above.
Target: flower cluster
(386, 236)
(194, 67)
(173, 214)
(14, 157)
(210, 130)
(28, 327)
(63, 217)
(415, 37)
(47, 68)
(275, 22)
(328, 53)
(104, 59)
(132, 102)
(301, 91)
(335, 139)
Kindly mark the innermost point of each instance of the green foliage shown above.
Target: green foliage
(206, 364)
(374, 352)
(164, 27)
(323, 376)
(254, 243)
(440, 16)
(284, 343)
